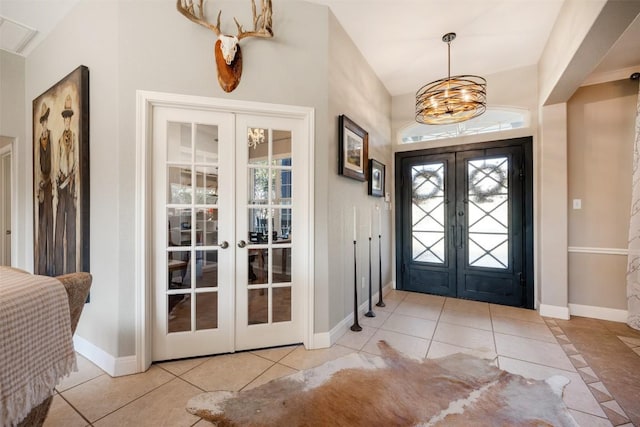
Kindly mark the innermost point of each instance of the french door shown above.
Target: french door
(227, 275)
(465, 222)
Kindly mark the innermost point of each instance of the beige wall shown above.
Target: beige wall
(601, 124)
(354, 90)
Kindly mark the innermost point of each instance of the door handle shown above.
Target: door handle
(242, 244)
(461, 237)
(8, 232)
(224, 245)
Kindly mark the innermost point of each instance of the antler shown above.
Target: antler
(261, 23)
(195, 13)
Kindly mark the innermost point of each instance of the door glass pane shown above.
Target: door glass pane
(259, 186)
(281, 304)
(428, 213)
(179, 142)
(206, 185)
(488, 213)
(258, 225)
(177, 265)
(179, 223)
(258, 306)
(258, 141)
(281, 187)
(206, 310)
(281, 265)
(179, 313)
(258, 266)
(282, 147)
(179, 188)
(206, 144)
(209, 269)
(281, 233)
(206, 227)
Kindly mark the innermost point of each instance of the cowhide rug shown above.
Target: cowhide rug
(364, 390)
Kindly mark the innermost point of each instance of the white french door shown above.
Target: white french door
(226, 274)
(270, 273)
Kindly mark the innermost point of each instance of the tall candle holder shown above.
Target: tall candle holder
(370, 313)
(380, 302)
(356, 326)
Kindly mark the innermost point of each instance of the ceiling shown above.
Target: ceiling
(401, 39)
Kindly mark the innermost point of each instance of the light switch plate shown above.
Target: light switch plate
(577, 203)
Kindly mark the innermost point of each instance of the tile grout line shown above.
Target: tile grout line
(74, 408)
(595, 376)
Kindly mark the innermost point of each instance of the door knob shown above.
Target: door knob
(224, 245)
(242, 244)
(8, 232)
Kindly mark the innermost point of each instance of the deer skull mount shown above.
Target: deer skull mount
(227, 51)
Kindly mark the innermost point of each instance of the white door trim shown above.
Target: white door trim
(145, 102)
(11, 150)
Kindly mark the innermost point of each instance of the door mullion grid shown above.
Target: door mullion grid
(193, 257)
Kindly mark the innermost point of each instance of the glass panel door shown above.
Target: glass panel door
(194, 212)
(462, 217)
(267, 291)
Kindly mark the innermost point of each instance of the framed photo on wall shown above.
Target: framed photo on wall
(354, 149)
(376, 178)
(61, 176)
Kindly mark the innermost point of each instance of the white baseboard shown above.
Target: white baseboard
(555, 311)
(342, 327)
(114, 366)
(603, 313)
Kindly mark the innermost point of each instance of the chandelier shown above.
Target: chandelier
(452, 99)
(255, 137)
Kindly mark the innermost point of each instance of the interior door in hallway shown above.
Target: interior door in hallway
(465, 223)
(5, 205)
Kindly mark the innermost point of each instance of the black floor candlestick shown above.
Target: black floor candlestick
(356, 326)
(380, 302)
(370, 313)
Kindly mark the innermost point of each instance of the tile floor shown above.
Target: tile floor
(517, 340)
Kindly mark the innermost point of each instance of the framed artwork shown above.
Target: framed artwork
(354, 146)
(61, 176)
(376, 178)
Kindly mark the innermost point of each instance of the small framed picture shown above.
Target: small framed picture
(376, 178)
(354, 145)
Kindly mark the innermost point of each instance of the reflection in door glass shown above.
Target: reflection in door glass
(281, 265)
(258, 142)
(258, 308)
(206, 310)
(206, 144)
(179, 188)
(258, 266)
(208, 271)
(428, 213)
(179, 313)
(281, 304)
(259, 185)
(488, 213)
(282, 148)
(179, 142)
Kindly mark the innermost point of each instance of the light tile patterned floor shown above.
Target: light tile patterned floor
(421, 326)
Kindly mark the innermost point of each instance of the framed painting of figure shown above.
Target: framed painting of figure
(61, 176)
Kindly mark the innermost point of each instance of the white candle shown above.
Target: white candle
(370, 224)
(379, 220)
(354, 223)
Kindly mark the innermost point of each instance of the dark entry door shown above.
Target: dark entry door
(465, 222)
